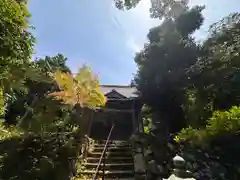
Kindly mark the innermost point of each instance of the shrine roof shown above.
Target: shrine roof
(125, 91)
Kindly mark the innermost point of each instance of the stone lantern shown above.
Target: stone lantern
(179, 172)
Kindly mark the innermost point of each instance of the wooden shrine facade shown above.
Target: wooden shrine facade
(122, 109)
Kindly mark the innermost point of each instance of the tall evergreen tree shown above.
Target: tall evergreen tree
(163, 63)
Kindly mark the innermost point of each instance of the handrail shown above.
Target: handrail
(103, 153)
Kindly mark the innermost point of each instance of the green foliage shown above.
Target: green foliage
(53, 64)
(41, 145)
(196, 107)
(159, 8)
(36, 85)
(41, 136)
(224, 122)
(181, 82)
(53, 130)
(34, 157)
(9, 132)
(191, 86)
(162, 66)
(2, 104)
(216, 74)
(51, 137)
(189, 21)
(48, 138)
(16, 43)
(147, 119)
(221, 123)
(211, 147)
(212, 151)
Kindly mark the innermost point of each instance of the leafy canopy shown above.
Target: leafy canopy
(82, 89)
(163, 63)
(159, 8)
(16, 44)
(221, 123)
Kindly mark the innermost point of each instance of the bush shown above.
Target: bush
(221, 123)
(213, 152)
(35, 157)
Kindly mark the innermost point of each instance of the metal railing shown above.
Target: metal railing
(103, 157)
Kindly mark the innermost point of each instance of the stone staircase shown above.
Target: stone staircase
(118, 163)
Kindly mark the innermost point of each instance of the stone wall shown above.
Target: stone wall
(144, 162)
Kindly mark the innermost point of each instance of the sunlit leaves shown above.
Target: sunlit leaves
(221, 123)
(9, 132)
(15, 41)
(83, 89)
(2, 104)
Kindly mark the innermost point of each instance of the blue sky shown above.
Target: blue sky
(94, 32)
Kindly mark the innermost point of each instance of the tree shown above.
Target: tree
(211, 148)
(163, 63)
(40, 143)
(162, 79)
(36, 87)
(53, 64)
(216, 74)
(16, 42)
(159, 8)
(15, 50)
(53, 131)
(83, 89)
(81, 92)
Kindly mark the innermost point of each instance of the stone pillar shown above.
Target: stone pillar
(139, 161)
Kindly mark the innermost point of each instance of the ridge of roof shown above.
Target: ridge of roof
(114, 91)
(119, 86)
(125, 90)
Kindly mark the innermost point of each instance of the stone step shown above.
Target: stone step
(119, 162)
(112, 145)
(112, 166)
(112, 149)
(111, 160)
(113, 142)
(110, 174)
(111, 154)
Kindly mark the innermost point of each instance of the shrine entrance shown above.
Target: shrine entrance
(111, 127)
(123, 126)
(122, 109)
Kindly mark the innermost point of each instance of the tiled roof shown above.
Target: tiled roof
(127, 91)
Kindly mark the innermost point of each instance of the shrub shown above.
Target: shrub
(213, 152)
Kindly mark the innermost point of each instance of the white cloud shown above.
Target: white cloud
(134, 24)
